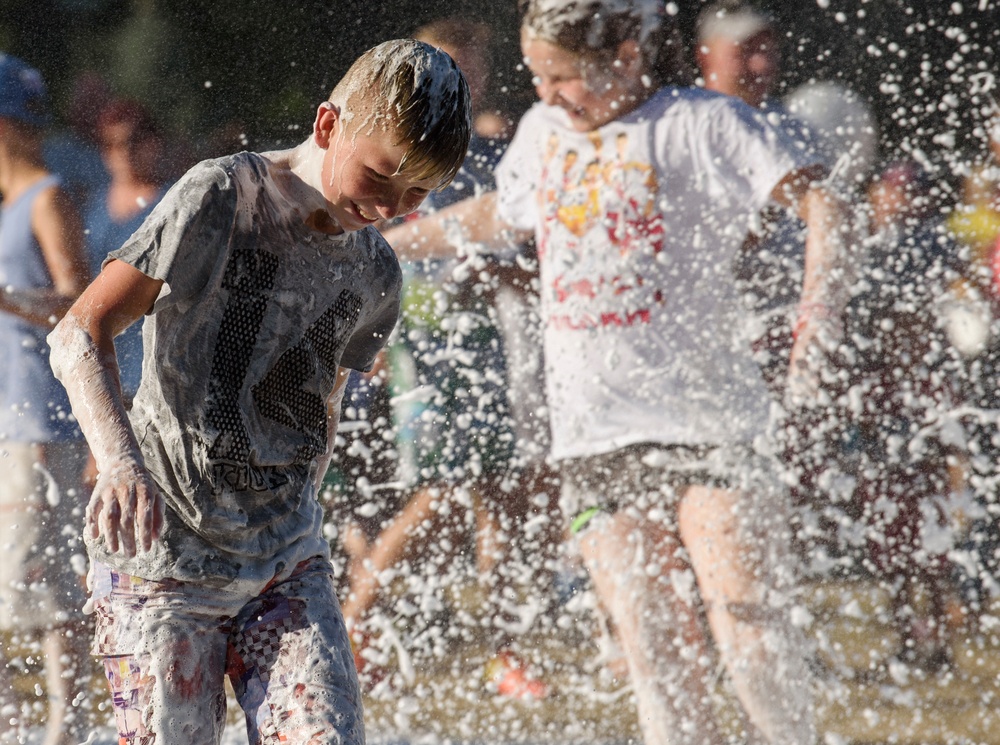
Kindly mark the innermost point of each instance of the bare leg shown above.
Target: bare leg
(759, 646)
(391, 546)
(356, 548)
(498, 517)
(10, 699)
(642, 579)
(491, 541)
(66, 685)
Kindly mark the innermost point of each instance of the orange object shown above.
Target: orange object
(507, 672)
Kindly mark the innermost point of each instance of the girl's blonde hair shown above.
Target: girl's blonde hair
(595, 29)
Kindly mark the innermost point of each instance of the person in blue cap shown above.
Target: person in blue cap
(42, 450)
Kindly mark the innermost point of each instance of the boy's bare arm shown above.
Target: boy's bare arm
(55, 223)
(126, 508)
(454, 230)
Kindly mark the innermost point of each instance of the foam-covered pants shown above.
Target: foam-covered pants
(167, 647)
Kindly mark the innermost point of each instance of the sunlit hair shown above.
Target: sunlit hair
(417, 90)
(595, 29)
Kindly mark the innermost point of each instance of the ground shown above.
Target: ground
(866, 694)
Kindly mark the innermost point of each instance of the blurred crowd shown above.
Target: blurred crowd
(441, 452)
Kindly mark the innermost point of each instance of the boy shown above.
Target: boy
(263, 282)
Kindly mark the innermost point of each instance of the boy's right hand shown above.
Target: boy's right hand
(126, 508)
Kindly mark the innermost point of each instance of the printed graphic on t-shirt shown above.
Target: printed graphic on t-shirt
(282, 395)
(596, 202)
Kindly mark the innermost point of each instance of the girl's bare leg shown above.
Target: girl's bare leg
(491, 541)
(645, 583)
(763, 652)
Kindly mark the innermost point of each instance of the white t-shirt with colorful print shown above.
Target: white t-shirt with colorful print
(637, 224)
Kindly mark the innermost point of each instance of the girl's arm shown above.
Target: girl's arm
(453, 230)
(826, 282)
(56, 225)
(126, 508)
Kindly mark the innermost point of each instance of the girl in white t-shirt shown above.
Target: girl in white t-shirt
(638, 195)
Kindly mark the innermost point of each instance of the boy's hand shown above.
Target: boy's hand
(126, 508)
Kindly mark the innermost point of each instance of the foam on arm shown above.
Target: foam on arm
(126, 509)
(456, 231)
(90, 376)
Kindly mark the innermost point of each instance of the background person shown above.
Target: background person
(42, 270)
(73, 151)
(739, 54)
(131, 148)
(904, 381)
(461, 429)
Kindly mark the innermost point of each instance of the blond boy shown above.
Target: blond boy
(263, 282)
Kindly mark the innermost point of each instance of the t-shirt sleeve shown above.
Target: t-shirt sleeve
(184, 237)
(517, 175)
(749, 155)
(378, 324)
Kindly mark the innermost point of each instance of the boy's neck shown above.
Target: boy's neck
(302, 165)
(306, 161)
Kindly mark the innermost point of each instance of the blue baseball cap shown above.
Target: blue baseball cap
(22, 92)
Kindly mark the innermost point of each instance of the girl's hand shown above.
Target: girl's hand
(126, 508)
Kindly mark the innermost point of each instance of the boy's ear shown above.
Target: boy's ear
(327, 119)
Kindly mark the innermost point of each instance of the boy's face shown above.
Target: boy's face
(360, 174)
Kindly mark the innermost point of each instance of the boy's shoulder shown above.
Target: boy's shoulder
(220, 183)
(236, 166)
(381, 252)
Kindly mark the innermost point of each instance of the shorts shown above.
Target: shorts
(42, 504)
(646, 477)
(359, 486)
(463, 432)
(167, 645)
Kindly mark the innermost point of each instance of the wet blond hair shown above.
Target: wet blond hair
(417, 90)
(594, 29)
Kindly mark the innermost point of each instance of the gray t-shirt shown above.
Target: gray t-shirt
(256, 313)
